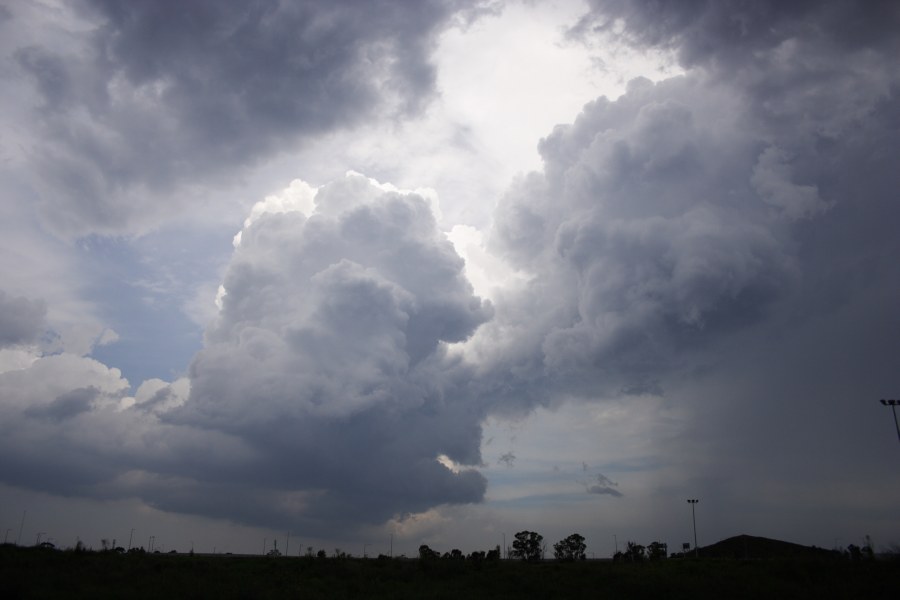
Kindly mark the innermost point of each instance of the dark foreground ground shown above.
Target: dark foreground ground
(33, 573)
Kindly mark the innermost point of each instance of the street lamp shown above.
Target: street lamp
(693, 502)
(893, 404)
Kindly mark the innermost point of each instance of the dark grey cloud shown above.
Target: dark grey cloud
(22, 321)
(603, 486)
(731, 34)
(727, 238)
(66, 405)
(153, 95)
(708, 204)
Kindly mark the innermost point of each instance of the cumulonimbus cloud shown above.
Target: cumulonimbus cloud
(757, 189)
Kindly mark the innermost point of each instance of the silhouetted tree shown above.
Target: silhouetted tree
(426, 553)
(633, 553)
(868, 550)
(657, 550)
(571, 548)
(527, 546)
(493, 554)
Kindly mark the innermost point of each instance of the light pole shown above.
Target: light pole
(693, 502)
(21, 525)
(130, 537)
(364, 549)
(893, 404)
(504, 554)
(5, 537)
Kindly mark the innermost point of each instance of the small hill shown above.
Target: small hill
(748, 546)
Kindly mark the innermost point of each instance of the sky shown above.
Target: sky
(370, 275)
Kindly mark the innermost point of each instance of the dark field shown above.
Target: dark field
(32, 573)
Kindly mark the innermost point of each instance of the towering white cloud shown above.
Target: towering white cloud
(328, 356)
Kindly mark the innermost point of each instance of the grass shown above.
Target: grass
(32, 573)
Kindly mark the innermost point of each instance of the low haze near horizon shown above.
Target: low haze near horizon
(362, 273)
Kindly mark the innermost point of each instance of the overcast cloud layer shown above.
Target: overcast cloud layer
(721, 244)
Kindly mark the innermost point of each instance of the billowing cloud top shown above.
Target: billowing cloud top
(701, 205)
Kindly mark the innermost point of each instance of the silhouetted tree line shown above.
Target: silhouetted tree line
(635, 552)
(426, 553)
(527, 545)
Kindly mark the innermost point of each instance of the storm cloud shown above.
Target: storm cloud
(691, 209)
(722, 242)
(150, 96)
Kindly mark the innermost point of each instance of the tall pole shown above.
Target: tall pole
(287, 544)
(392, 545)
(893, 404)
(616, 542)
(21, 525)
(130, 536)
(693, 502)
(504, 554)
(5, 537)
